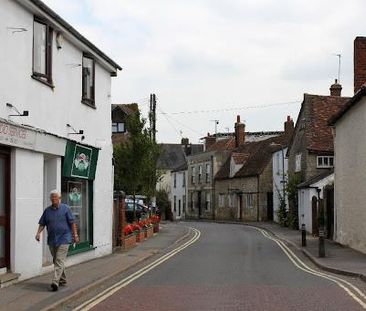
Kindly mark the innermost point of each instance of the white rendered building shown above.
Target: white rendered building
(64, 82)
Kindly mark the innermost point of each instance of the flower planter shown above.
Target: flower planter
(149, 232)
(129, 241)
(140, 236)
(156, 228)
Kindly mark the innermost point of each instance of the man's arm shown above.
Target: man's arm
(74, 232)
(38, 234)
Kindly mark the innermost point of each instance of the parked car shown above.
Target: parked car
(130, 208)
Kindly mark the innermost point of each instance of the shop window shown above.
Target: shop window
(76, 193)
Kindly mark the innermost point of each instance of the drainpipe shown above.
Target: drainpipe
(257, 197)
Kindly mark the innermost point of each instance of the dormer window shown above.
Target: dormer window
(42, 51)
(88, 83)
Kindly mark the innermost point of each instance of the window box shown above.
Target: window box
(140, 236)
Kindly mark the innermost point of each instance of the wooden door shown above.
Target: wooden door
(314, 213)
(199, 202)
(4, 209)
(270, 206)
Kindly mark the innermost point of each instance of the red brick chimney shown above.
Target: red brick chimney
(335, 89)
(239, 132)
(359, 62)
(209, 141)
(289, 126)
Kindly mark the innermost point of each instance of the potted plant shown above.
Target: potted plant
(155, 220)
(138, 232)
(129, 239)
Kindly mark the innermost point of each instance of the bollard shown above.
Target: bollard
(303, 235)
(321, 243)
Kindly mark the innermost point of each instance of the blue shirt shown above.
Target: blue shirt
(58, 222)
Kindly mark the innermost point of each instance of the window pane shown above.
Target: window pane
(88, 78)
(331, 161)
(121, 127)
(39, 48)
(320, 161)
(114, 127)
(75, 194)
(325, 161)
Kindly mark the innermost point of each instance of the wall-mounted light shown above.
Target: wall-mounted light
(59, 40)
(17, 29)
(75, 132)
(24, 114)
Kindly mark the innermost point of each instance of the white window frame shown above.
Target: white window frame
(298, 158)
(208, 201)
(175, 180)
(193, 176)
(321, 160)
(208, 172)
(199, 174)
(249, 201)
(221, 200)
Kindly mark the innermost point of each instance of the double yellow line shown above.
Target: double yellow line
(354, 292)
(134, 276)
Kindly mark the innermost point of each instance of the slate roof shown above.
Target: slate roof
(349, 104)
(172, 156)
(255, 155)
(128, 109)
(316, 110)
(44, 8)
(315, 179)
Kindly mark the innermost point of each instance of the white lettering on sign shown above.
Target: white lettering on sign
(16, 136)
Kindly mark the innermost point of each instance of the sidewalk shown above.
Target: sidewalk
(35, 294)
(339, 259)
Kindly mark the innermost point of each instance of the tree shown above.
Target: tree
(135, 159)
(291, 190)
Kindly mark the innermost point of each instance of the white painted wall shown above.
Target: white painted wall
(350, 177)
(277, 179)
(50, 110)
(179, 191)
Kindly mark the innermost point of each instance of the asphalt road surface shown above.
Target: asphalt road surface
(234, 267)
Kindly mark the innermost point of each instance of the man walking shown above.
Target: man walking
(62, 231)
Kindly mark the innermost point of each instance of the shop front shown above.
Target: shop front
(77, 186)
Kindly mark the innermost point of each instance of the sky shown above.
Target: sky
(215, 59)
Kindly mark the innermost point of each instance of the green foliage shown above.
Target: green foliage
(282, 212)
(135, 160)
(291, 190)
(162, 201)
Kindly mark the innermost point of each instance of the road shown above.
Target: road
(233, 267)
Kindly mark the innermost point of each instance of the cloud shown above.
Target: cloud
(208, 54)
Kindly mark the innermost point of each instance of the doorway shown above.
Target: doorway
(4, 209)
(270, 206)
(240, 206)
(329, 196)
(199, 203)
(314, 214)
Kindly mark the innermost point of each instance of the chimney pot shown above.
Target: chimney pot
(238, 119)
(335, 89)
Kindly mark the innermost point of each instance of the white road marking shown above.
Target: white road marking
(349, 288)
(123, 283)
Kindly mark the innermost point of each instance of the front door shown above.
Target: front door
(199, 202)
(314, 212)
(270, 206)
(4, 209)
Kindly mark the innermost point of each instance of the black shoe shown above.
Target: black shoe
(54, 287)
(63, 283)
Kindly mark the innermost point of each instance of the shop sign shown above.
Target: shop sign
(17, 136)
(80, 161)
